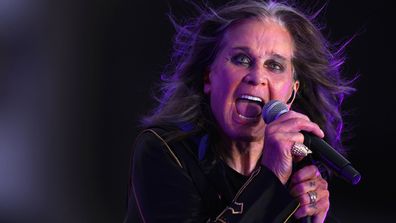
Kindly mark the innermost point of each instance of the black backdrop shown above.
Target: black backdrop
(75, 76)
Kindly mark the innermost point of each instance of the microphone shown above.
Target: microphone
(321, 150)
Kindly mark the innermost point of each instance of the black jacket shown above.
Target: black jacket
(184, 181)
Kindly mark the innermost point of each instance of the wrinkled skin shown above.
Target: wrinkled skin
(280, 136)
(255, 61)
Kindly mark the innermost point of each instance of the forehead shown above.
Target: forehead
(261, 36)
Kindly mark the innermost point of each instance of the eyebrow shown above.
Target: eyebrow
(273, 55)
(278, 57)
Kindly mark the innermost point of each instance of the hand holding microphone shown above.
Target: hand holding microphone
(294, 134)
(306, 184)
(280, 136)
(320, 149)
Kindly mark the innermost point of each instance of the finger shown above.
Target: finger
(289, 137)
(298, 124)
(309, 185)
(305, 199)
(303, 187)
(283, 142)
(321, 216)
(291, 114)
(290, 118)
(304, 174)
(320, 207)
(294, 121)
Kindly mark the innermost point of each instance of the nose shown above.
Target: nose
(255, 77)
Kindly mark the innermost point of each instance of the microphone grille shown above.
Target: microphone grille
(273, 109)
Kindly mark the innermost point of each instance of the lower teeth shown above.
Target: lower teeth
(249, 118)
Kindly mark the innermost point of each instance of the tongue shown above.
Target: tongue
(248, 109)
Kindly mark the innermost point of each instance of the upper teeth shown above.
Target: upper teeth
(252, 98)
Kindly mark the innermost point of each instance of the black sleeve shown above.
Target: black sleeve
(161, 188)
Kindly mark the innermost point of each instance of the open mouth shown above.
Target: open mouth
(249, 107)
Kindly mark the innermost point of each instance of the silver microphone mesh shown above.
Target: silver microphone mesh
(272, 110)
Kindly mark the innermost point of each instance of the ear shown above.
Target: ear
(206, 80)
(296, 85)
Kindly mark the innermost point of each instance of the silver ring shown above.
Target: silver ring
(312, 197)
(299, 149)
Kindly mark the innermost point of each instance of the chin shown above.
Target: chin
(245, 134)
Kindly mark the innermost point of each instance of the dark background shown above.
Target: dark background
(75, 76)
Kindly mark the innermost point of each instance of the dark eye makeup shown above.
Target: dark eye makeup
(272, 64)
(241, 59)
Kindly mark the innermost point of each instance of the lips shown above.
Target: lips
(249, 107)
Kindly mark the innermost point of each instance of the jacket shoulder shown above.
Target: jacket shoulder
(152, 141)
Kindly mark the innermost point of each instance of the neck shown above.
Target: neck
(244, 156)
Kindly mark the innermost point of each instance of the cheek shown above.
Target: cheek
(224, 86)
(222, 89)
(285, 90)
(219, 92)
(281, 90)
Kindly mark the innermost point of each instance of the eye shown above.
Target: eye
(274, 66)
(242, 59)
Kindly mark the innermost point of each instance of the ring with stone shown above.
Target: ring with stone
(299, 149)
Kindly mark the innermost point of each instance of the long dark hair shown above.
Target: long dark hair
(196, 44)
